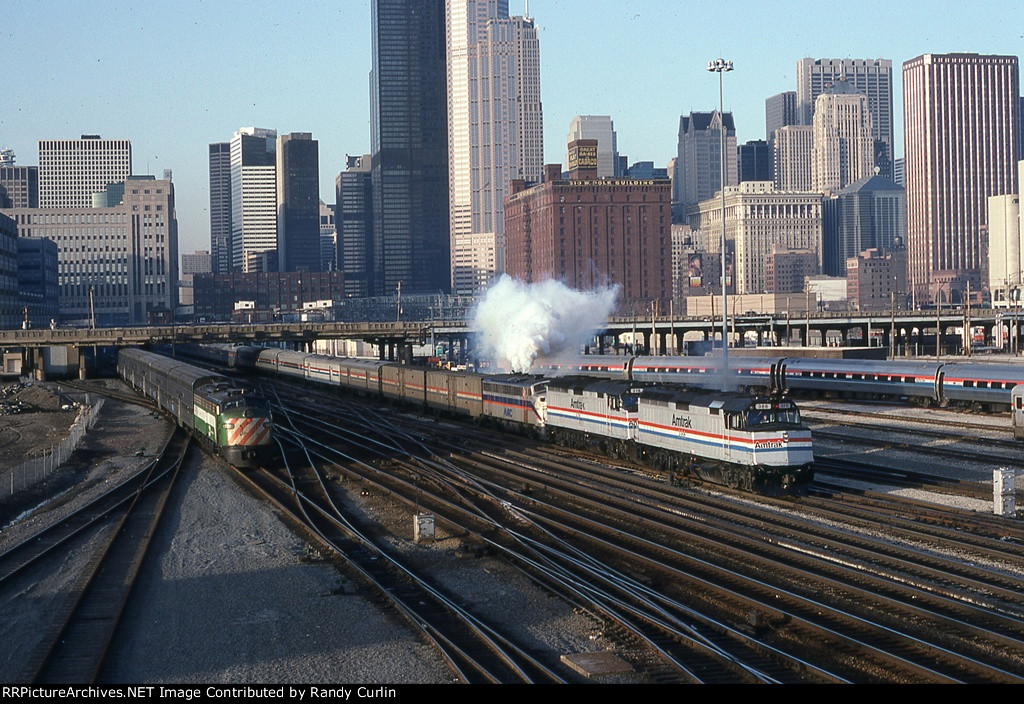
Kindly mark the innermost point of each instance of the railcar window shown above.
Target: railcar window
(630, 402)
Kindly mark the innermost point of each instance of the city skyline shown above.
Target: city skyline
(61, 84)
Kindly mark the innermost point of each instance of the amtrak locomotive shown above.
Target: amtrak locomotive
(754, 443)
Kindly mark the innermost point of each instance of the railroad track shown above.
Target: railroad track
(899, 646)
(79, 634)
(476, 651)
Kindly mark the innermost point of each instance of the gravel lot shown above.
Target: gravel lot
(229, 594)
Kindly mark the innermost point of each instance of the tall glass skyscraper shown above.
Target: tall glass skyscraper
(220, 207)
(409, 141)
(298, 202)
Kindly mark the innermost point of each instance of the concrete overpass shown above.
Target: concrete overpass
(908, 332)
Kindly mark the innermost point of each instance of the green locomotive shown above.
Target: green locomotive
(229, 419)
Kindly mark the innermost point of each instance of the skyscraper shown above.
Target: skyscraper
(409, 141)
(698, 163)
(868, 214)
(601, 128)
(353, 220)
(792, 148)
(960, 136)
(872, 77)
(71, 170)
(843, 150)
(298, 202)
(755, 161)
(19, 186)
(220, 207)
(495, 129)
(779, 111)
(253, 197)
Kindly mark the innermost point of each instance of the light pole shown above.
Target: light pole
(720, 66)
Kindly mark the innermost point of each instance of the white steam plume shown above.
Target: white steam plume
(518, 322)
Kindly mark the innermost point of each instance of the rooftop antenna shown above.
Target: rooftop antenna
(526, 10)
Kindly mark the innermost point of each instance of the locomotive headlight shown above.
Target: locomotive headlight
(229, 426)
(785, 436)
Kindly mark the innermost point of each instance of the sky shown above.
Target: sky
(174, 77)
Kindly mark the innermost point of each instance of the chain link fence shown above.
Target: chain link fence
(31, 471)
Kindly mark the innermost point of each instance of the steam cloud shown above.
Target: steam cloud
(519, 322)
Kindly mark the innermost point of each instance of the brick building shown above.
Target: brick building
(785, 270)
(874, 276)
(590, 232)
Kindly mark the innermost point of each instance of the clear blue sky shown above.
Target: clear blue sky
(173, 77)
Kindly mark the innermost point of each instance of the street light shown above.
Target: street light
(720, 66)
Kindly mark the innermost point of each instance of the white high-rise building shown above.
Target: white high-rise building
(253, 195)
(872, 77)
(495, 130)
(601, 128)
(758, 219)
(843, 151)
(792, 147)
(72, 170)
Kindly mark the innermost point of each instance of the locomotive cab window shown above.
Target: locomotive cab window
(761, 417)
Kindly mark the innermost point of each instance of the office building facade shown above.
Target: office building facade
(19, 186)
(699, 158)
(1005, 247)
(253, 197)
(758, 219)
(960, 137)
(755, 161)
(11, 303)
(495, 125)
(353, 220)
(298, 202)
(593, 233)
(121, 262)
(220, 206)
(601, 128)
(871, 77)
(792, 154)
(328, 239)
(843, 146)
(409, 142)
(72, 170)
(868, 214)
(780, 110)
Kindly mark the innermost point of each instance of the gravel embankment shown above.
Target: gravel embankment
(229, 594)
